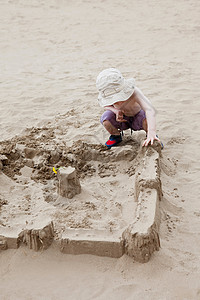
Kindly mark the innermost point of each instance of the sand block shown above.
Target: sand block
(141, 237)
(68, 185)
(55, 156)
(148, 174)
(37, 239)
(3, 243)
(125, 152)
(26, 151)
(101, 243)
(9, 238)
(12, 242)
(30, 152)
(3, 160)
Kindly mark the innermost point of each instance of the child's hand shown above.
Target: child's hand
(120, 116)
(150, 138)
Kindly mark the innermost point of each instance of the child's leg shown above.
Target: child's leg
(110, 128)
(108, 120)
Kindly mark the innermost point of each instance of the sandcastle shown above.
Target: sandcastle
(68, 182)
(138, 239)
(141, 238)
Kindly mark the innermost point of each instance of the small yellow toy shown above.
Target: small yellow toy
(55, 170)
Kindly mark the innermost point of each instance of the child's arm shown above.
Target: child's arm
(112, 108)
(150, 115)
(119, 113)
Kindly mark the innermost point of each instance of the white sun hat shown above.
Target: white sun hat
(113, 87)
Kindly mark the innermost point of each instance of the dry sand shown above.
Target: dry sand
(51, 53)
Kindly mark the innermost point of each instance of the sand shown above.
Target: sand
(51, 53)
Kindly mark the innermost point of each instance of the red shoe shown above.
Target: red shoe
(113, 141)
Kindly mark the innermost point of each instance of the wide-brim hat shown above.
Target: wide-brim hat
(113, 87)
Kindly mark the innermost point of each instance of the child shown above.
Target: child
(126, 107)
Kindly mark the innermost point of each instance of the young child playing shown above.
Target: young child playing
(126, 107)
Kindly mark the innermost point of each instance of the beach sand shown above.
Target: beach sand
(51, 53)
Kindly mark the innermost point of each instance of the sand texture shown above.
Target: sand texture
(51, 53)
